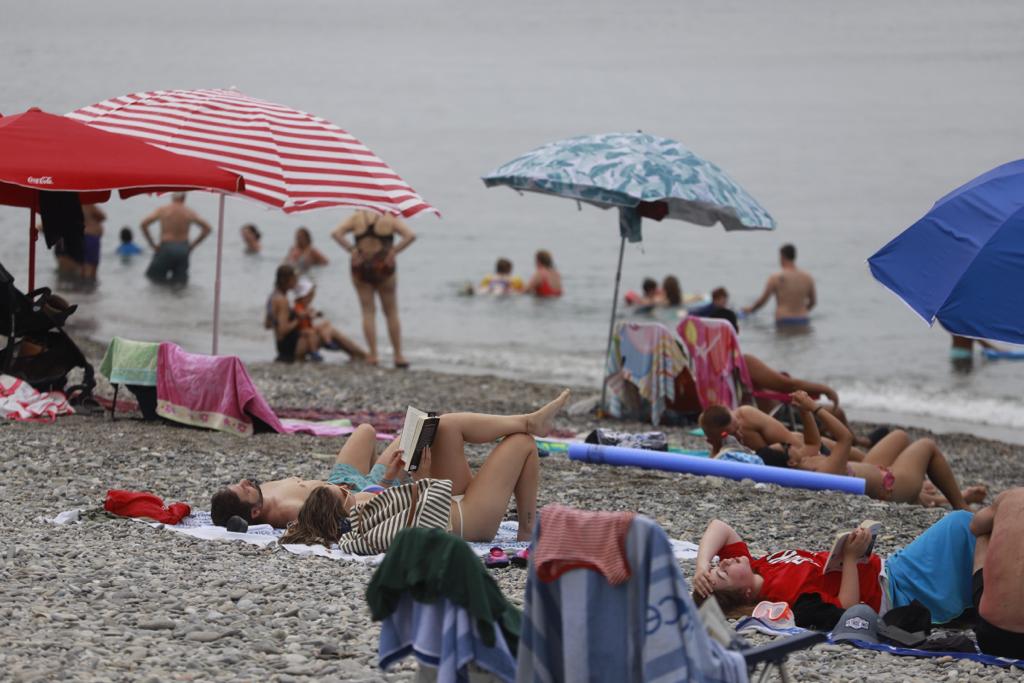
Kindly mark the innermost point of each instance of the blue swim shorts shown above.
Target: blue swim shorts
(792, 322)
(343, 473)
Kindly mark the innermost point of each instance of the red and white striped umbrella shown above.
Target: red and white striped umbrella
(289, 159)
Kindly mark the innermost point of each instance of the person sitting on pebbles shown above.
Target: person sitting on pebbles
(894, 469)
(964, 560)
(319, 331)
(512, 467)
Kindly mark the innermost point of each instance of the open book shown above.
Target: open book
(417, 433)
(835, 556)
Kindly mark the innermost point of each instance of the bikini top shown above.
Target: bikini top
(370, 231)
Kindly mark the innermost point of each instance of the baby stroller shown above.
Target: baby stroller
(38, 350)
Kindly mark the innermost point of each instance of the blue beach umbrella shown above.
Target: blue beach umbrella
(643, 176)
(963, 262)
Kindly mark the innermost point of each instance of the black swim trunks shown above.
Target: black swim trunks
(286, 346)
(993, 640)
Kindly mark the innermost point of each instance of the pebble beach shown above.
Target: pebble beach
(112, 599)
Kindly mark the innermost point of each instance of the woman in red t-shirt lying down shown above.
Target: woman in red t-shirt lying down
(941, 568)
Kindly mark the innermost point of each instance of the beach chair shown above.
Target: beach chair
(437, 603)
(649, 376)
(719, 370)
(37, 347)
(580, 627)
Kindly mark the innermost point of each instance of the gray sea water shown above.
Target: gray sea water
(846, 120)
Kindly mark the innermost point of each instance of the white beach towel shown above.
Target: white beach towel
(200, 525)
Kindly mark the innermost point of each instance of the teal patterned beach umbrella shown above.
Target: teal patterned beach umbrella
(644, 176)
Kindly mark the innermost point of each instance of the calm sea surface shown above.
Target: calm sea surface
(845, 120)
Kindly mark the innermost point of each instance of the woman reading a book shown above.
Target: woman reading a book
(373, 251)
(479, 500)
(935, 569)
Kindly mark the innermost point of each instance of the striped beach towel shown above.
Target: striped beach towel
(426, 503)
(581, 628)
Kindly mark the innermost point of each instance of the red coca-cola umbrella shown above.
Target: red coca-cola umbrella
(41, 152)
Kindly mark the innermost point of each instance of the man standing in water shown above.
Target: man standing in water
(170, 262)
(793, 290)
(94, 218)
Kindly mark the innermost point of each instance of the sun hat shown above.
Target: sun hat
(859, 622)
(303, 287)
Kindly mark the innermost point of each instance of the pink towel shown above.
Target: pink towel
(216, 392)
(579, 539)
(718, 367)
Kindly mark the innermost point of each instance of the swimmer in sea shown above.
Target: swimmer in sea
(961, 352)
(546, 282)
(793, 290)
(502, 281)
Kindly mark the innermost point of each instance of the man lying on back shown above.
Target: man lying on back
(278, 502)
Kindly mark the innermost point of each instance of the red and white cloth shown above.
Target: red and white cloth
(580, 539)
(20, 401)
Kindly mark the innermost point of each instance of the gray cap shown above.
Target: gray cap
(859, 622)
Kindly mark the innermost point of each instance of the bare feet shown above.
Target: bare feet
(541, 422)
(931, 497)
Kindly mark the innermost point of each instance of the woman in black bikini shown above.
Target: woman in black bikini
(373, 252)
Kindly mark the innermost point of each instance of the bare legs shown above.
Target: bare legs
(368, 306)
(765, 377)
(360, 448)
(455, 430)
(388, 292)
(327, 333)
(511, 468)
(920, 458)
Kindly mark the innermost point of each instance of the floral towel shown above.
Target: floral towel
(718, 367)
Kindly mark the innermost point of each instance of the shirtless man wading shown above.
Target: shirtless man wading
(793, 290)
(170, 262)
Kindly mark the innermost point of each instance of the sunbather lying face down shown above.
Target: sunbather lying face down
(893, 470)
(941, 568)
(357, 467)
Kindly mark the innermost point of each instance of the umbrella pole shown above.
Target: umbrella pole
(32, 250)
(216, 281)
(611, 323)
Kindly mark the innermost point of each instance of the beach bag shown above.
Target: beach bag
(425, 504)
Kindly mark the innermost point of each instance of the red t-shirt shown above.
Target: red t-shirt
(790, 573)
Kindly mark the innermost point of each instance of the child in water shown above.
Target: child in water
(502, 281)
(127, 249)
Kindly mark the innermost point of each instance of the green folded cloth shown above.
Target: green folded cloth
(130, 362)
(432, 565)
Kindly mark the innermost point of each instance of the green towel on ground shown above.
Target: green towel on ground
(130, 362)
(431, 564)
